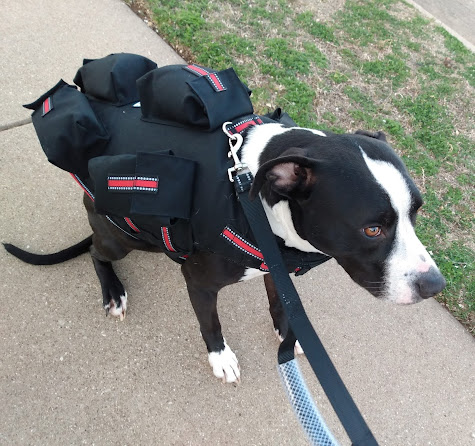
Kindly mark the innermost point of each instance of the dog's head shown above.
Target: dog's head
(351, 197)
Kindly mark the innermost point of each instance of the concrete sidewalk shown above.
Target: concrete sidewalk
(456, 16)
(69, 376)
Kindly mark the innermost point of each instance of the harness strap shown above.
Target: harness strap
(331, 382)
(243, 123)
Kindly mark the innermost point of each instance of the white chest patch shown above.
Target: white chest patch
(251, 273)
(282, 225)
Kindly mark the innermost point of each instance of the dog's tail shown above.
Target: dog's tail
(50, 259)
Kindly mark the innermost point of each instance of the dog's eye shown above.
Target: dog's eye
(372, 231)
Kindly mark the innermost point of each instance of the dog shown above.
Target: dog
(346, 196)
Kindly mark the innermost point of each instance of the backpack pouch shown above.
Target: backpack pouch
(113, 78)
(192, 96)
(68, 129)
(147, 184)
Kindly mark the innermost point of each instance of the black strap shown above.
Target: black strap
(300, 326)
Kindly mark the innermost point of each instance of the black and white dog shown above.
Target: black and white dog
(347, 196)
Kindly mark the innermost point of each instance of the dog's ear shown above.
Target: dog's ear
(377, 135)
(289, 175)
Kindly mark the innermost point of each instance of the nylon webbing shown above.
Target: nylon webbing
(331, 382)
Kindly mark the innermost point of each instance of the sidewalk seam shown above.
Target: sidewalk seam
(439, 22)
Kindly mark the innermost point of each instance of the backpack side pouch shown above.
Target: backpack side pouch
(68, 129)
(156, 184)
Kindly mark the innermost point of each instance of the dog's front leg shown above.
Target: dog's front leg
(114, 296)
(205, 275)
(221, 358)
(108, 245)
(281, 324)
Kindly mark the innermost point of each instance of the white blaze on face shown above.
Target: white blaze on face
(408, 257)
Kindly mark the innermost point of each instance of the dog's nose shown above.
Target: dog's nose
(430, 283)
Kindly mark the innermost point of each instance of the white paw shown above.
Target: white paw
(118, 311)
(225, 365)
(298, 350)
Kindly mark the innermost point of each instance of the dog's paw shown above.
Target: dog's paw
(225, 365)
(117, 309)
(298, 350)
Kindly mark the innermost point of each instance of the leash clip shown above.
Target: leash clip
(235, 143)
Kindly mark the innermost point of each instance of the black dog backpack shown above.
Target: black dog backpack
(146, 144)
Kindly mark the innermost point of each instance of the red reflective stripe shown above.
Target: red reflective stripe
(242, 244)
(46, 106)
(244, 125)
(131, 224)
(166, 239)
(146, 183)
(216, 81)
(120, 183)
(132, 183)
(197, 70)
(82, 186)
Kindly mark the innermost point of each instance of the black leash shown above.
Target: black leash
(299, 325)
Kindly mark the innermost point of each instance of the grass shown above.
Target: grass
(377, 65)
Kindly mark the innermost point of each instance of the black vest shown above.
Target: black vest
(146, 144)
